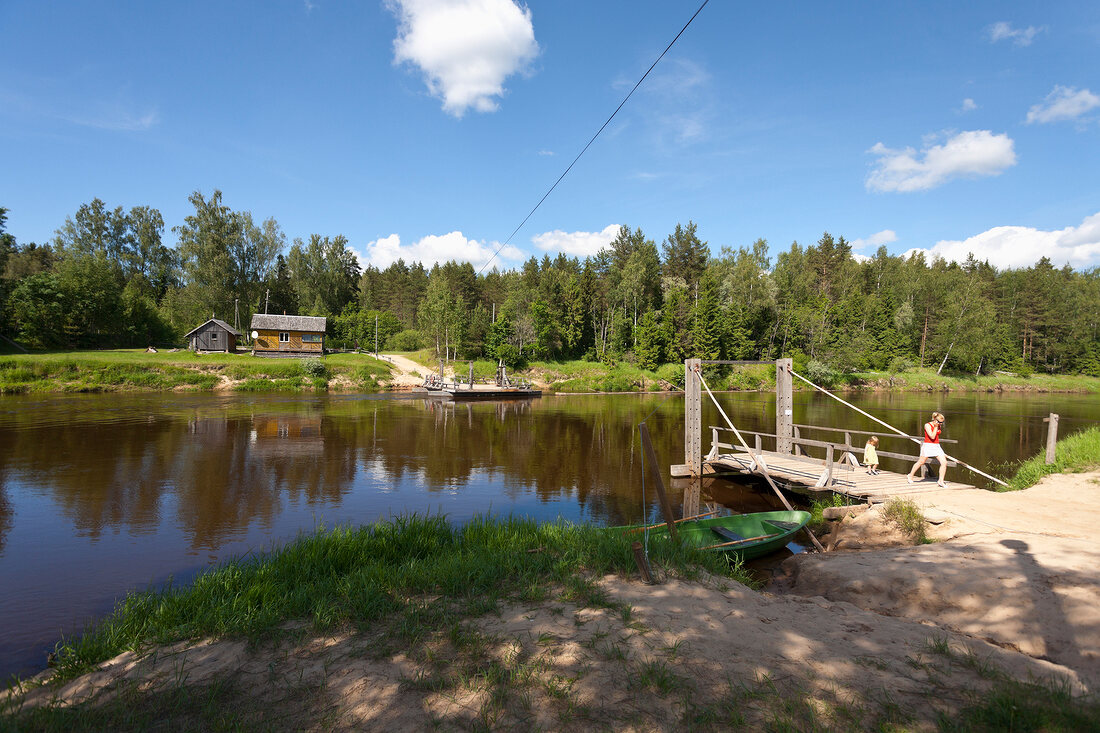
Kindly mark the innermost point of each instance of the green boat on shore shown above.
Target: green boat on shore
(744, 535)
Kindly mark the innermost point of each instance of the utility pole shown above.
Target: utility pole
(267, 300)
(376, 335)
(236, 314)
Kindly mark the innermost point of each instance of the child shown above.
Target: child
(870, 455)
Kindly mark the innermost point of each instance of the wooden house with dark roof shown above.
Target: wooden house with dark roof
(288, 335)
(214, 335)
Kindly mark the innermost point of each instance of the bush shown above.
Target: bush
(407, 340)
(821, 374)
(512, 356)
(314, 368)
(899, 365)
(672, 373)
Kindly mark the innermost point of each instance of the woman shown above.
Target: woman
(930, 448)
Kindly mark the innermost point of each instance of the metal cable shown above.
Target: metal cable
(605, 124)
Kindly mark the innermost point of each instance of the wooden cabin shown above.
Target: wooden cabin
(214, 335)
(288, 335)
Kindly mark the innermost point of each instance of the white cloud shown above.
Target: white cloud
(465, 48)
(116, 119)
(968, 105)
(577, 244)
(434, 249)
(886, 236)
(549, 153)
(1016, 246)
(968, 154)
(1063, 103)
(1003, 31)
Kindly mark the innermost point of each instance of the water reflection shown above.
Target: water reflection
(102, 494)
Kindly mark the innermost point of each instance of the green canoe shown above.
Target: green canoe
(744, 535)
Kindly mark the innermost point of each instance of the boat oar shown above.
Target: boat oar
(741, 542)
(662, 524)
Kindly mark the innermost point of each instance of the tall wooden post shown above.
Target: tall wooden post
(784, 406)
(693, 420)
(1052, 435)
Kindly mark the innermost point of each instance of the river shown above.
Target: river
(103, 494)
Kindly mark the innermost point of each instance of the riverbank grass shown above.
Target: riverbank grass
(1074, 454)
(138, 370)
(412, 575)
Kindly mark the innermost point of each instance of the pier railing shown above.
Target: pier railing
(836, 455)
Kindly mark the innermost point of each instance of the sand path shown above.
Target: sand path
(1019, 569)
(406, 372)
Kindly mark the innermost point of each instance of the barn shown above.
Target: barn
(214, 335)
(274, 335)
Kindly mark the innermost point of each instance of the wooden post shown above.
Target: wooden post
(693, 421)
(1052, 435)
(784, 405)
(691, 497)
(666, 508)
(643, 563)
(471, 375)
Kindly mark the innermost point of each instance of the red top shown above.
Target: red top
(933, 435)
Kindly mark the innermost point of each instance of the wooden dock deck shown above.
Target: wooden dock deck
(811, 474)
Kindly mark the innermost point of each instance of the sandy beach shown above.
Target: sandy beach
(862, 636)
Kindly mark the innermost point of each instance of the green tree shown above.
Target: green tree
(651, 349)
(685, 254)
(324, 273)
(225, 258)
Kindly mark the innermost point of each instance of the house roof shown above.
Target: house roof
(288, 323)
(221, 323)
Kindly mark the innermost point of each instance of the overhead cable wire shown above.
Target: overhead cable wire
(605, 124)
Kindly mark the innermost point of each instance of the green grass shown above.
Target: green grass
(137, 370)
(1076, 453)
(907, 515)
(926, 379)
(376, 575)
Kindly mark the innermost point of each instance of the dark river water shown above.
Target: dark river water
(103, 494)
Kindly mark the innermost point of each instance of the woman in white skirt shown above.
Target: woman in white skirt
(930, 448)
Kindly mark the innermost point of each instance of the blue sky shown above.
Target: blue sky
(428, 129)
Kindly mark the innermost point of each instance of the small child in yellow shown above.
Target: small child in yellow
(870, 455)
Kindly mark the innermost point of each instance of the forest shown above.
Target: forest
(110, 279)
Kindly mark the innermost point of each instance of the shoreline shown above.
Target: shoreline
(1007, 593)
(182, 371)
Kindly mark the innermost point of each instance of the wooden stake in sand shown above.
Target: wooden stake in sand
(666, 508)
(642, 562)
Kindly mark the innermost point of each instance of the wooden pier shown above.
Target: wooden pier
(811, 474)
(788, 458)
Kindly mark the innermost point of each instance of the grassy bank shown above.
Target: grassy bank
(411, 576)
(588, 376)
(138, 370)
(926, 380)
(1076, 453)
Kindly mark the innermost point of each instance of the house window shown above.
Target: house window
(284, 337)
(311, 338)
(214, 336)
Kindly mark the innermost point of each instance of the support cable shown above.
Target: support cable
(605, 124)
(891, 427)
